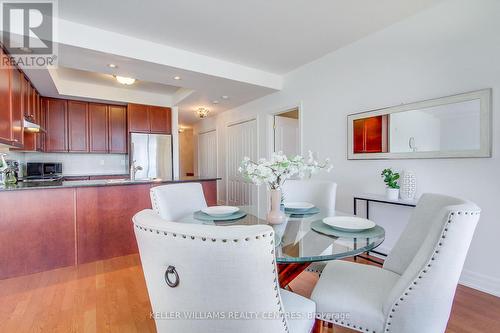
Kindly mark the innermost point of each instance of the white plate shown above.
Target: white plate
(298, 205)
(220, 210)
(349, 223)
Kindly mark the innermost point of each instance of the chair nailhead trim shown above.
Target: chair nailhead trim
(424, 271)
(247, 239)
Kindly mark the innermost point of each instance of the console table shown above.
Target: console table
(368, 197)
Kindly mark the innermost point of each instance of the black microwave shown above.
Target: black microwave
(43, 170)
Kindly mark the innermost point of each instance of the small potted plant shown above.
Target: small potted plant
(391, 181)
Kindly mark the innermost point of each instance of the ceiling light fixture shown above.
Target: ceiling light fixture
(177, 77)
(202, 112)
(112, 66)
(215, 102)
(125, 80)
(224, 97)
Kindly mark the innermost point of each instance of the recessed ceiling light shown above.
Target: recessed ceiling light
(224, 97)
(112, 66)
(215, 102)
(177, 77)
(125, 80)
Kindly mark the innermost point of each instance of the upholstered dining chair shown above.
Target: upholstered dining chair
(205, 278)
(414, 290)
(174, 201)
(321, 193)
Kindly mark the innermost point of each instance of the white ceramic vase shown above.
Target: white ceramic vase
(276, 215)
(392, 193)
(408, 185)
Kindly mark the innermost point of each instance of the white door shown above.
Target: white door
(241, 141)
(207, 154)
(286, 136)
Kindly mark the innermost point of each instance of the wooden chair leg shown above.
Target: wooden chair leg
(318, 326)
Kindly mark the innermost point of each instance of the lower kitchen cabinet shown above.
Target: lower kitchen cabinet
(44, 229)
(37, 231)
(104, 218)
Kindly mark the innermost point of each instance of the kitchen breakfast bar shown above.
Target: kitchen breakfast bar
(56, 224)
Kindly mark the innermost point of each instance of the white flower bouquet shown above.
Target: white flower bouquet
(280, 168)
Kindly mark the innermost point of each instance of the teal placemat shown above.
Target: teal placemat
(199, 215)
(295, 211)
(325, 229)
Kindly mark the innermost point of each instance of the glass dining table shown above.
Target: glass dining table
(305, 239)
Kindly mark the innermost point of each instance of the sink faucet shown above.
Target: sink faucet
(134, 169)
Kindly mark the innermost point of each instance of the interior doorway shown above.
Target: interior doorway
(287, 132)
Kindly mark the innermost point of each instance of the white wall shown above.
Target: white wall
(451, 48)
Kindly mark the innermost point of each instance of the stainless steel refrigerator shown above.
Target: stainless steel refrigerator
(152, 152)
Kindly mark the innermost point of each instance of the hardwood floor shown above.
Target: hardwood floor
(111, 296)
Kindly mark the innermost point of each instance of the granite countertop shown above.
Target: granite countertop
(100, 182)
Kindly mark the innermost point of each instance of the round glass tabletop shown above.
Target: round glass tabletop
(304, 238)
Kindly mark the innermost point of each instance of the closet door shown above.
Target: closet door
(241, 141)
(207, 154)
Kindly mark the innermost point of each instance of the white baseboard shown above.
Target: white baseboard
(480, 282)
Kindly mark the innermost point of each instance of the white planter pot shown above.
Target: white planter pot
(392, 193)
(276, 215)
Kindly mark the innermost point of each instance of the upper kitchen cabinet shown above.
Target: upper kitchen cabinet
(149, 119)
(5, 110)
(160, 119)
(56, 122)
(78, 126)
(98, 119)
(138, 118)
(117, 129)
(16, 104)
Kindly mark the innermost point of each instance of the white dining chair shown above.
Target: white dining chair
(175, 201)
(320, 193)
(414, 290)
(205, 278)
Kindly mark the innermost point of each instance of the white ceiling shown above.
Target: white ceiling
(109, 80)
(275, 36)
(237, 48)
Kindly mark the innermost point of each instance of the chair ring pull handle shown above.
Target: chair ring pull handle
(171, 270)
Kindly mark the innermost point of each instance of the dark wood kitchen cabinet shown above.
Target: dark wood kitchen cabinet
(117, 117)
(56, 124)
(103, 217)
(32, 114)
(160, 119)
(149, 119)
(40, 142)
(5, 109)
(17, 108)
(78, 126)
(138, 118)
(98, 116)
(37, 231)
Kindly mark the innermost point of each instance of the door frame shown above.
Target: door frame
(270, 127)
(226, 162)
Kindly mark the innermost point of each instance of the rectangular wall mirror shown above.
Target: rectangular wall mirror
(453, 126)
